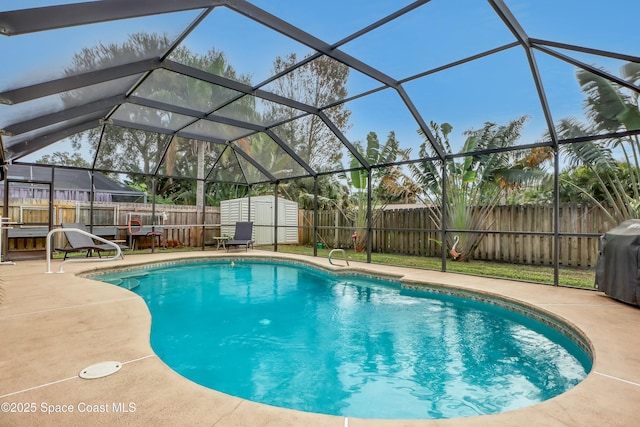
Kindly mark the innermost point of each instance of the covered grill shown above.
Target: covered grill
(618, 268)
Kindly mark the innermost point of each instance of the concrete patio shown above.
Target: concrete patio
(55, 325)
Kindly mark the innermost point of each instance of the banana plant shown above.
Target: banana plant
(474, 184)
(375, 154)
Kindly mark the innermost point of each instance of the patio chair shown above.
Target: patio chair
(78, 242)
(242, 236)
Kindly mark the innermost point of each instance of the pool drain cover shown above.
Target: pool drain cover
(100, 370)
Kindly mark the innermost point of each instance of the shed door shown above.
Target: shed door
(263, 223)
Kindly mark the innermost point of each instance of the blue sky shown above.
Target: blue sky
(498, 88)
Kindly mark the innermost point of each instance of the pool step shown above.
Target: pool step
(130, 281)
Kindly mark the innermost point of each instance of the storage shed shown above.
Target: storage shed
(263, 217)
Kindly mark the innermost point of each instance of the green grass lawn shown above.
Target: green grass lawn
(569, 276)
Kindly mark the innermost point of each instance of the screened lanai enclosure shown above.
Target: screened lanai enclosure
(458, 131)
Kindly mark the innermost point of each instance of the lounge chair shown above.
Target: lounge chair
(78, 242)
(242, 236)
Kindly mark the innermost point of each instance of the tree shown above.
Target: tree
(143, 149)
(318, 83)
(332, 194)
(64, 159)
(139, 152)
(187, 157)
(614, 185)
(582, 184)
(474, 184)
(374, 154)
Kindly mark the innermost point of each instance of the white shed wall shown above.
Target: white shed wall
(262, 215)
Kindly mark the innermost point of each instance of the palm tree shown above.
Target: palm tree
(184, 154)
(476, 183)
(608, 109)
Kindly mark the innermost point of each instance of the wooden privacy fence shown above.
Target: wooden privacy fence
(180, 223)
(399, 231)
(405, 231)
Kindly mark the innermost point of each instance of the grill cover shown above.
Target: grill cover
(618, 268)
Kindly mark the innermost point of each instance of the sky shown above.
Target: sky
(495, 89)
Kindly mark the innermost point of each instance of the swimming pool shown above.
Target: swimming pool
(297, 337)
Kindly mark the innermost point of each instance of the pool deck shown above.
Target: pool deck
(54, 325)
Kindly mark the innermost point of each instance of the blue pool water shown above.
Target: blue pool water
(296, 337)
